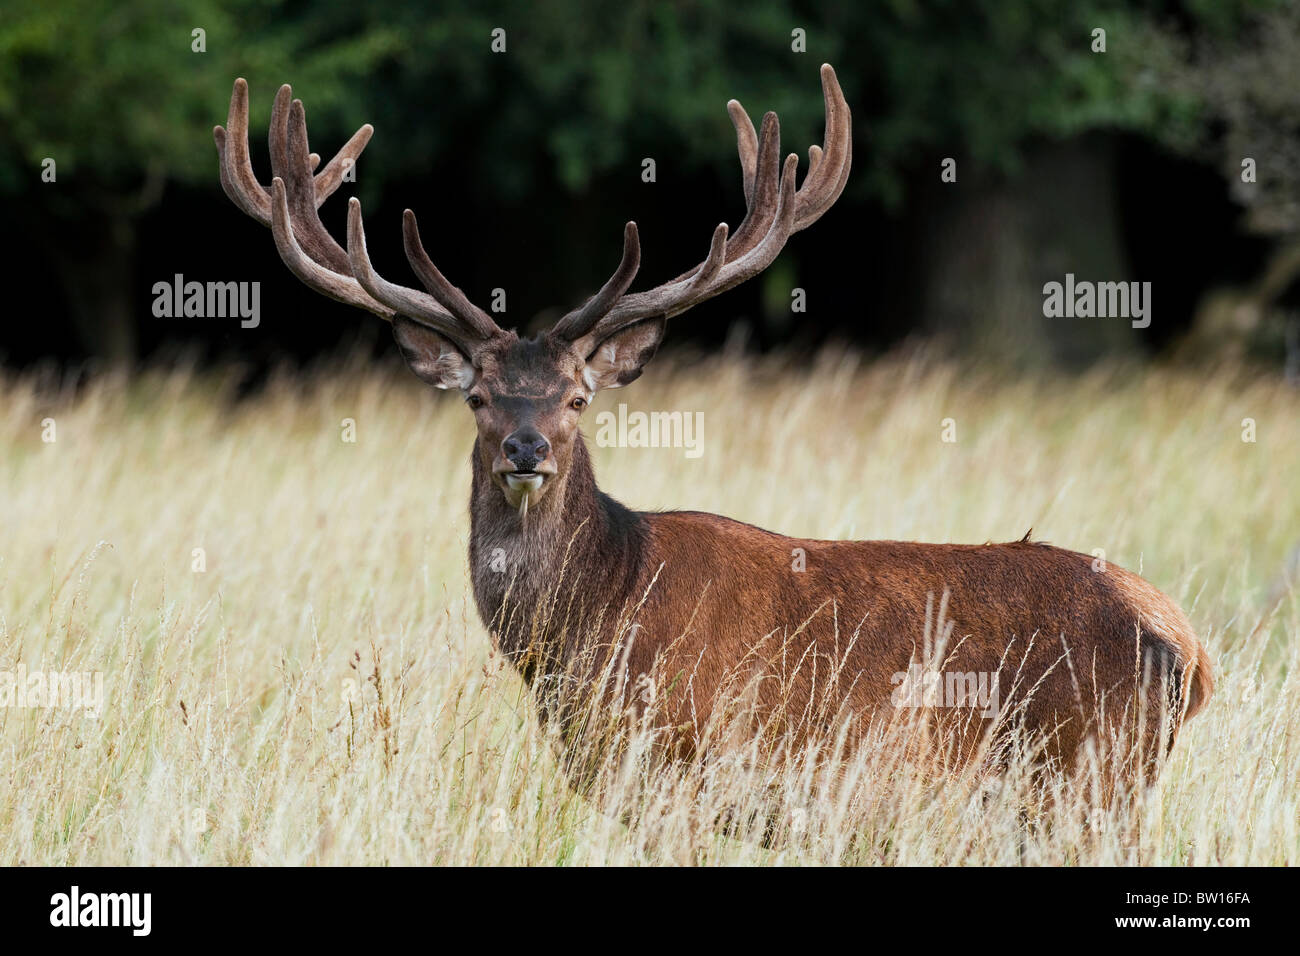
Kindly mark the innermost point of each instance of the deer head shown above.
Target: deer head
(527, 394)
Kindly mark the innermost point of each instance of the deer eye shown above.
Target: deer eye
(579, 403)
(474, 401)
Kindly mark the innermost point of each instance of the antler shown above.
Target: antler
(775, 210)
(289, 208)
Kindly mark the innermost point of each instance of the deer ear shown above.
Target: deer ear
(432, 356)
(620, 358)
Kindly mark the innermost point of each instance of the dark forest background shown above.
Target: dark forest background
(523, 165)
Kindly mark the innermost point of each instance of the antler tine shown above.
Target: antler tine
(774, 210)
(581, 320)
(331, 177)
(826, 180)
(746, 145)
(712, 262)
(277, 134)
(290, 160)
(761, 255)
(446, 294)
(290, 207)
(237, 178)
(761, 206)
(661, 300)
(341, 288)
(721, 270)
(409, 302)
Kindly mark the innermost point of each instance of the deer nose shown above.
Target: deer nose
(525, 448)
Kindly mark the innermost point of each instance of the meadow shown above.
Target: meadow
(294, 671)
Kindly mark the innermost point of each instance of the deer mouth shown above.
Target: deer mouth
(524, 480)
(523, 488)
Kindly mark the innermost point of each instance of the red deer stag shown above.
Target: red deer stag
(1080, 655)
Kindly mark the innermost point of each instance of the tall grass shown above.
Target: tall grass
(314, 685)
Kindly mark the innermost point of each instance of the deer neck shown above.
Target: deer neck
(546, 576)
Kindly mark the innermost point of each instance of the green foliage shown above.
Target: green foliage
(115, 94)
(1247, 81)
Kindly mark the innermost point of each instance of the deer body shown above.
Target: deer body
(580, 592)
(1056, 637)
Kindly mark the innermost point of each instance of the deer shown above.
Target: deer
(596, 591)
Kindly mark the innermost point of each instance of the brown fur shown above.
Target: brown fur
(1081, 654)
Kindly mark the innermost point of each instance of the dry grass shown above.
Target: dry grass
(324, 692)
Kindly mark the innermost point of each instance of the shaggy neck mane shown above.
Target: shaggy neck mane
(577, 554)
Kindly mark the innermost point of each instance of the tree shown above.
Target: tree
(122, 99)
(102, 104)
